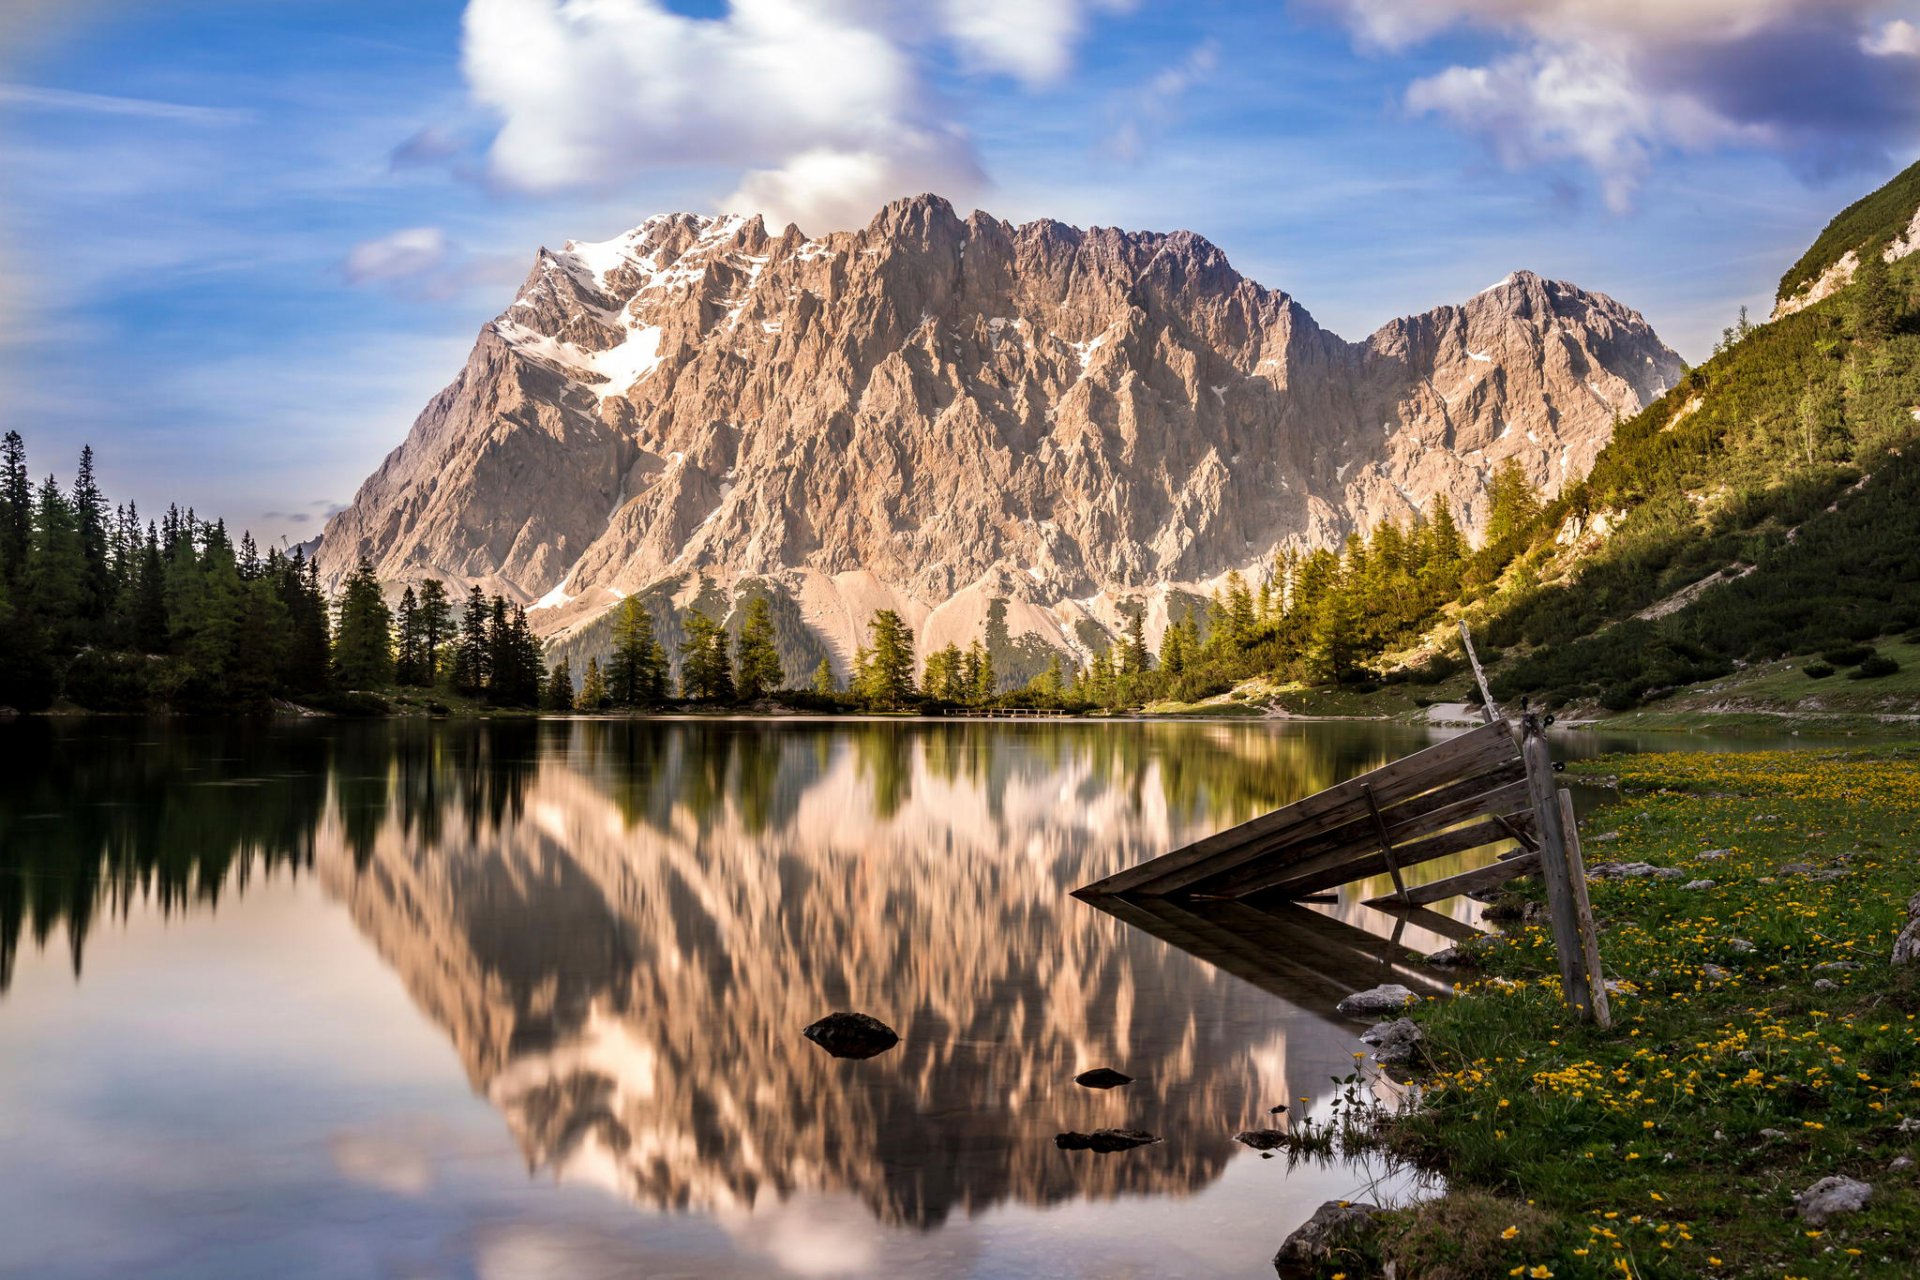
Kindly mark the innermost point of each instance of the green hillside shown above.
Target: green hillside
(1873, 219)
(1784, 464)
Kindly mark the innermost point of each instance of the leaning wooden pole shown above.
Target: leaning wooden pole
(1486, 694)
(1554, 869)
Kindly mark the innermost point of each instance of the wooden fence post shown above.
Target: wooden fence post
(1554, 869)
(1583, 914)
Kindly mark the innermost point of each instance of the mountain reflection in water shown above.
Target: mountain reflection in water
(622, 927)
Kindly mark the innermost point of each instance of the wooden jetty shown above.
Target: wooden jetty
(1487, 787)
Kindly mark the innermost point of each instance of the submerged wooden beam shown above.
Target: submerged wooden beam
(1523, 863)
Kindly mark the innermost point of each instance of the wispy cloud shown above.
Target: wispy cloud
(1615, 88)
(68, 100)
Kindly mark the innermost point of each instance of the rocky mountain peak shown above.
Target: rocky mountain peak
(934, 413)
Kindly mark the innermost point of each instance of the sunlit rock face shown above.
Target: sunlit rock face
(625, 938)
(935, 412)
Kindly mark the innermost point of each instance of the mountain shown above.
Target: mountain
(938, 414)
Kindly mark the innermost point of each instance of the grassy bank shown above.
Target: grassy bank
(1740, 1070)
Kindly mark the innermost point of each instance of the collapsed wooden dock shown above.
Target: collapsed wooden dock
(1488, 787)
(1465, 793)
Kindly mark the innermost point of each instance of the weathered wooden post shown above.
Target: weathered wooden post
(1551, 827)
(1583, 913)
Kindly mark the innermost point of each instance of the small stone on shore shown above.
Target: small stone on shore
(1335, 1227)
(1388, 997)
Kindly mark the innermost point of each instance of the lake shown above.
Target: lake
(525, 999)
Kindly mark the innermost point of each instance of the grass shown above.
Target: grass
(1645, 1150)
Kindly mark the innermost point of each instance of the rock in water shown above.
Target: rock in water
(1336, 1227)
(1831, 1196)
(852, 1035)
(1104, 1140)
(1394, 1043)
(1389, 997)
(1102, 1078)
(1261, 1139)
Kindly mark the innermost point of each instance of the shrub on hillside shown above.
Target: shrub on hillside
(1851, 655)
(1818, 670)
(1874, 667)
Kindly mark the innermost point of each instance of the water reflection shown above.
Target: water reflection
(622, 927)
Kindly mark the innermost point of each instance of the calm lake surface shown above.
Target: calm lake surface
(525, 1000)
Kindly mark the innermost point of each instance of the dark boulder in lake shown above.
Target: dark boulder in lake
(1261, 1139)
(1104, 1140)
(852, 1035)
(1102, 1078)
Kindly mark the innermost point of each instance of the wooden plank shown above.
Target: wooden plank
(1458, 840)
(1524, 864)
(1386, 842)
(1553, 868)
(1422, 771)
(1430, 920)
(1583, 913)
(1419, 815)
(1265, 874)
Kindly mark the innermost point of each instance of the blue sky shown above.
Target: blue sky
(242, 243)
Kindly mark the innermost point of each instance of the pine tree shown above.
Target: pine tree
(55, 583)
(1512, 503)
(889, 674)
(149, 611)
(823, 682)
(559, 693)
(946, 675)
(90, 519)
(636, 674)
(363, 632)
(503, 675)
(705, 672)
(16, 509)
(436, 629)
(1134, 659)
(593, 689)
(470, 654)
(409, 665)
(756, 662)
(1445, 547)
(1876, 308)
(308, 660)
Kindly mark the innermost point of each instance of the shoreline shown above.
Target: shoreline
(1764, 1040)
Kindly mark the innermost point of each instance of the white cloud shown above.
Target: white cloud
(826, 189)
(1029, 39)
(822, 106)
(1153, 107)
(1612, 85)
(1898, 38)
(413, 251)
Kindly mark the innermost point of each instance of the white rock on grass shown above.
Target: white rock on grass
(1389, 997)
(1698, 884)
(1831, 1196)
(1632, 871)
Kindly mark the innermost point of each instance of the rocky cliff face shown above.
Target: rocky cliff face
(934, 413)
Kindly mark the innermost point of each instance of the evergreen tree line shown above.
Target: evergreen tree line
(120, 615)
